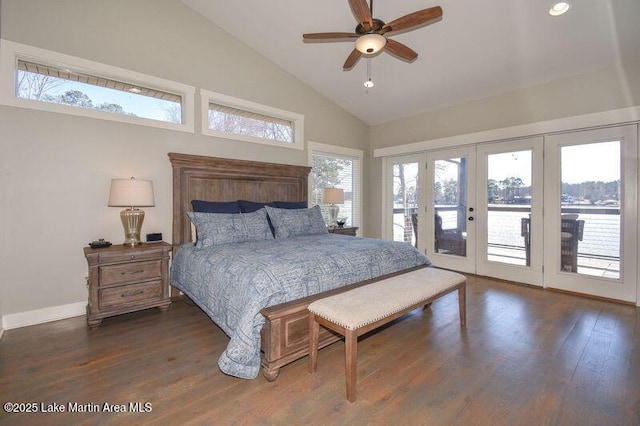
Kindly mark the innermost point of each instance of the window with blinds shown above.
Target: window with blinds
(40, 79)
(232, 118)
(337, 171)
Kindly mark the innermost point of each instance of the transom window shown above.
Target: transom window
(63, 86)
(233, 118)
(41, 79)
(224, 118)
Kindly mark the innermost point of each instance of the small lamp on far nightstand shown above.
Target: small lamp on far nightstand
(131, 193)
(333, 196)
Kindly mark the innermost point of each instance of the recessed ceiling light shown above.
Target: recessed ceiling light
(559, 7)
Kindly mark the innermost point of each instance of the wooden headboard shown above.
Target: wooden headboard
(197, 177)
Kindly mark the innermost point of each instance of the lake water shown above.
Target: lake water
(601, 236)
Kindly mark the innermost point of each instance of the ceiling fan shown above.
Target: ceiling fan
(372, 35)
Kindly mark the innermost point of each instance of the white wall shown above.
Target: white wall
(603, 90)
(55, 169)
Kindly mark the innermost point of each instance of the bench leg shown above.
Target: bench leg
(462, 303)
(314, 330)
(351, 363)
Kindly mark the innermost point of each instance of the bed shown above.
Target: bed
(260, 303)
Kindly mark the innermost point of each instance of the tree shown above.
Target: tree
(493, 190)
(450, 192)
(114, 108)
(36, 86)
(511, 186)
(74, 97)
(173, 112)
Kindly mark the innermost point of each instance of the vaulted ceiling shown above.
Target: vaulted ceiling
(478, 49)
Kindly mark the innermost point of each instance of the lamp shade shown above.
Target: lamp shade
(370, 43)
(131, 193)
(333, 196)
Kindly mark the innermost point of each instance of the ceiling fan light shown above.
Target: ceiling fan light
(559, 7)
(368, 84)
(370, 43)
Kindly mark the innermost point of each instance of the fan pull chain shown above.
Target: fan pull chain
(368, 84)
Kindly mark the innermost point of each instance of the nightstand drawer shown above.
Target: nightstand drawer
(134, 256)
(130, 294)
(128, 272)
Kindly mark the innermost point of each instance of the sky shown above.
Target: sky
(580, 163)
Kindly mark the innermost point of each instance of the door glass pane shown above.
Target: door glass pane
(590, 209)
(509, 204)
(450, 201)
(405, 202)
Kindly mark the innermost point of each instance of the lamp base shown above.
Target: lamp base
(333, 216)
(132, 222)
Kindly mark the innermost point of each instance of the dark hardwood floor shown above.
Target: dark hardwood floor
(527, 357)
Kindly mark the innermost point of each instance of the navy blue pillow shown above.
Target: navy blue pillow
(290, 204)
(252, 206)
(215, 207)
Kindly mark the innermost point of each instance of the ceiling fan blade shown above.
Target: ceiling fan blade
(351, 60)
(362, 13)
(329, 36)
(400, 50)
(413, 19)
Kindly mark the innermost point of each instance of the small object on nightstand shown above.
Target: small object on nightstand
(101, 243)
(347, 230)
(125, 279)
(341, 222)
(155, 237)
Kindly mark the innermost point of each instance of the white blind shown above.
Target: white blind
(337, 171)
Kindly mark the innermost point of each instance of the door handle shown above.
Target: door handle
(471, 218)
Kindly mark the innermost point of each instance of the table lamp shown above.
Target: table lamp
(131, 193)
(333, 196)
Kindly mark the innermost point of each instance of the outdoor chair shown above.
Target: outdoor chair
(571, 233)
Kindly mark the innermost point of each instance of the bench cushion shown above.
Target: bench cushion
(364, 305)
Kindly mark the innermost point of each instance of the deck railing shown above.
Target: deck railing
(599, 250)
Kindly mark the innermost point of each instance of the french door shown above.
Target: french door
(450, 221)
(404, 200)
(559, 211)
(509, 215)
(591, 221)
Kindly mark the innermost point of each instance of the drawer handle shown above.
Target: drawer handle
(130, 293)
(137, 271)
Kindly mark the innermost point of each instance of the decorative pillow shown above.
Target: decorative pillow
(290, 204)
(289, 223)
(252, 206)
(215, 229)
(215, 207)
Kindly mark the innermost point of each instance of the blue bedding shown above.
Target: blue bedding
(233, 282)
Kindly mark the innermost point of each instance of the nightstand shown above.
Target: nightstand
(347, 230)
(125, 279)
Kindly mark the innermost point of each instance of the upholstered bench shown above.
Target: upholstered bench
(356, 312)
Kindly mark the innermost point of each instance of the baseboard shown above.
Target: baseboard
(39, 316)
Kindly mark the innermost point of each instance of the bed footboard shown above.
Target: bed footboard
(285, 334)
